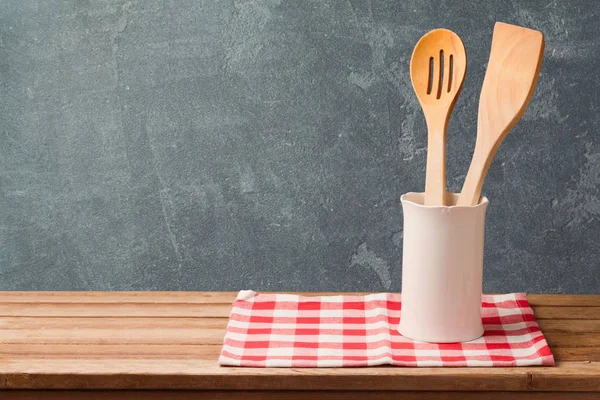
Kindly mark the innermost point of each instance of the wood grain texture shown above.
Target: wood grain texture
(567, 313)
(437, 71)
(165, 341)
(558, 300)
(283, 395)
(510, 80)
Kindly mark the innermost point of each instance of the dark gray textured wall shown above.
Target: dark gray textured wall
(220, 145)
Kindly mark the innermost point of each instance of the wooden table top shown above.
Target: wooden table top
(171, 340)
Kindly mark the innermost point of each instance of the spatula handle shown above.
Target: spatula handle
(480, 164)
(510, 79)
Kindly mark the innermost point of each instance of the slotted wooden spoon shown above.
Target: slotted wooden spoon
(437, 70)
(509, 83)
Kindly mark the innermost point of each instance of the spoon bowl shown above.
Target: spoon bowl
(437, 71)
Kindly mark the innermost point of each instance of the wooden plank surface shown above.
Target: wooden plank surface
(176, 351)
(285, 395)
(163, 340)
(175, 373)
(560, 300)
(94, 310)
(205, 331)
(208, 310)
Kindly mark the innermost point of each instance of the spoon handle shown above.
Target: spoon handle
(435, 174)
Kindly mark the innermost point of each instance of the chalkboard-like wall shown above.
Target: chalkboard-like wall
(221, 145)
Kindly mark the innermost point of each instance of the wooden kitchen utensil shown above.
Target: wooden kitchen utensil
(437, 70)
(512, 73)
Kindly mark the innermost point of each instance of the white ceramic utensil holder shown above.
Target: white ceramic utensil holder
(442, 270)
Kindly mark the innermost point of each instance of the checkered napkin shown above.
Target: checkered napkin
(285, 330)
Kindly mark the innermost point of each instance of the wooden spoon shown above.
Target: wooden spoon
(437, 70)
(512, 73)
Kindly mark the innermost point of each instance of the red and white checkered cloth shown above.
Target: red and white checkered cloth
(286, 330)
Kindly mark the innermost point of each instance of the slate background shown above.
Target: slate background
(221, 145)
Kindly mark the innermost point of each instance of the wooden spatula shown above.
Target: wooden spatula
(512, 73)
(437, 71)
